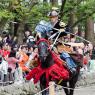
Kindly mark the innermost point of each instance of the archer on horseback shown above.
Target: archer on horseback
(48, 30)
(50, 66)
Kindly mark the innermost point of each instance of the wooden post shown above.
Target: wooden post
(51, 88)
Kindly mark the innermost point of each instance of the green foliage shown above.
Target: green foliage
(5, 14)
(31, 12)
(37, 13)
(82, 9)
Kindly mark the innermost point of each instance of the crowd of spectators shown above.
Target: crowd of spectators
(15, 58)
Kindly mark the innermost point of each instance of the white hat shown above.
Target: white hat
(53, 14)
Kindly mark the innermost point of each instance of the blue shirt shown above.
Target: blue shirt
(44, 27)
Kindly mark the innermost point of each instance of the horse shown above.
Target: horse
(52, 68)
(47, 60)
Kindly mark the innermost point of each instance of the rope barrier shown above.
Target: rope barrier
(2, 84)
(7, 82)
(59, 88)
(74, 88)
(64, 87)
(43, 90)
(77, 89)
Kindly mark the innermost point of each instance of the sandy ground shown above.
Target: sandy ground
(89, 90)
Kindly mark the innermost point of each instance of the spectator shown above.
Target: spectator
(30, 40)
(23, 57)
(5, 51)
(93, 53)
(11, 67)
(3, 69)
(32, 61)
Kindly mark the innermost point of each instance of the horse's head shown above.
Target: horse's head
(44, 53)
(43, 48)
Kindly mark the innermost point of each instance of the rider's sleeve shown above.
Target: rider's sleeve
(41, 27)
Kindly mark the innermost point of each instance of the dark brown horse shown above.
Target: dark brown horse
(47, 61)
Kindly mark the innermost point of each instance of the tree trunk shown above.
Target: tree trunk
(16, 26)
(71, 21)
(20, 33)
(2, 24)
(89, 30)
(62, 8)
(54, 2)
(79, 30)
(45, 1)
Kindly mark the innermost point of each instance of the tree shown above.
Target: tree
(89, 30)
(29, 12)
(5, 14)
(54, 2)
(77, 12)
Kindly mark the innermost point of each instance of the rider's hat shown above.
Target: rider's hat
(53, 14)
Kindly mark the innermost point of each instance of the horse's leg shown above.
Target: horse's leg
(72, 83)
(64, 84)
(43, 84)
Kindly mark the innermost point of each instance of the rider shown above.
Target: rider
(51, 28)
(56, 23)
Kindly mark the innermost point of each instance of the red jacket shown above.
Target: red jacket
(4, 53)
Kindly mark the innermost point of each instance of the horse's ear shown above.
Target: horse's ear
(38, 38)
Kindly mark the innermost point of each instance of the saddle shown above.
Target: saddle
(64, 48)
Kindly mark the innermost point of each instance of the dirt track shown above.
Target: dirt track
(88, 90)
(85, 86)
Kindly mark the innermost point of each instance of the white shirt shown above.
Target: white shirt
(4, 67)
(30, 39)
